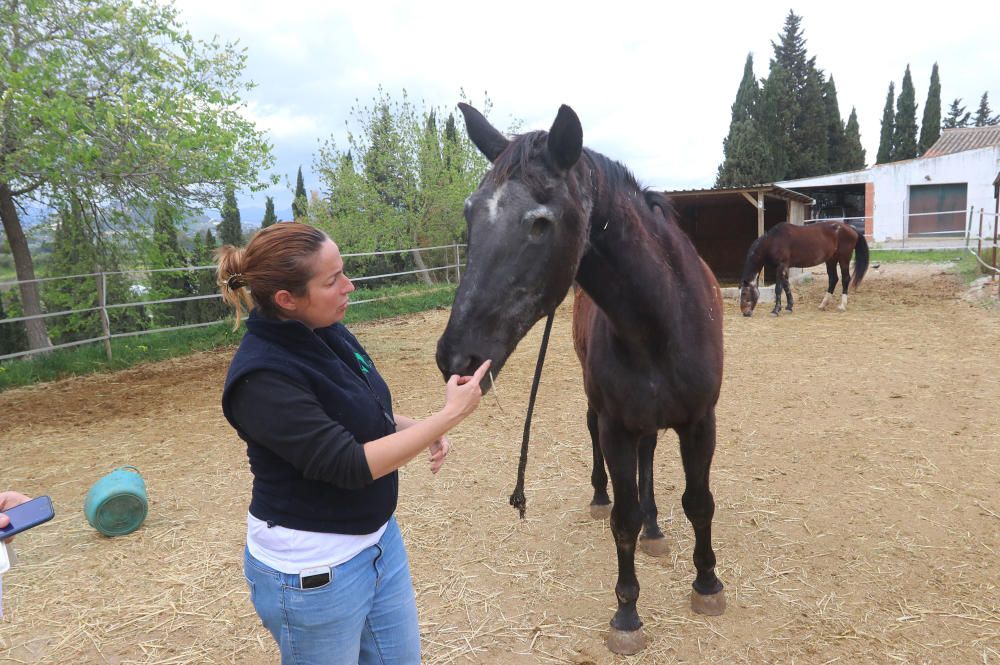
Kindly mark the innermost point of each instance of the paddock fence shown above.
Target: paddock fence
(98, 307)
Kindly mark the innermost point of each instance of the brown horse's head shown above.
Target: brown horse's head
(749, 294)
(527, 226)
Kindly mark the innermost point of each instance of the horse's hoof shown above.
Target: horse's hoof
(841, 308)
(711, 605)
(626, 642)
(774, 313)
(600, 511)
(658, 547)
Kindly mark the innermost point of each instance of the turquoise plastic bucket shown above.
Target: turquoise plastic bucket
(116, 504)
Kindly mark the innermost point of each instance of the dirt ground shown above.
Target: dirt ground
(857, 482)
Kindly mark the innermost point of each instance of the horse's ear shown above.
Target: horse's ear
(489, 141)
(566, 138)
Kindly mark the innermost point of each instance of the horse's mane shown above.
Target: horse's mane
(751, 267)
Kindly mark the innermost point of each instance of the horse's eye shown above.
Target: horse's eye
(538, 227)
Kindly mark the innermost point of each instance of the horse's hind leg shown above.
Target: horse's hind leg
(831, 273)
(788, 292)
(600, 505)
(620, 450)
(697, 448)
(652, 540)
(845, 273)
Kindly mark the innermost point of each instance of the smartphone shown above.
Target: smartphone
(30, 513)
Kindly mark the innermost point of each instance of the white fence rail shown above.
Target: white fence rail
(453, 265)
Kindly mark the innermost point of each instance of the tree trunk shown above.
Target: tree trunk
(38, 337)
(418, 258)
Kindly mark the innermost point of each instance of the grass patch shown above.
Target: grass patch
(130, 351)
(917, 256)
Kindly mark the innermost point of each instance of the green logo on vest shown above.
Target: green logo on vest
(364, 362)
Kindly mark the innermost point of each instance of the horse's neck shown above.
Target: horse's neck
(755, 263)
(627, 275)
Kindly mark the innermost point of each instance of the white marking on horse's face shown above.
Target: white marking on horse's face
(494, 202)
(540, 211)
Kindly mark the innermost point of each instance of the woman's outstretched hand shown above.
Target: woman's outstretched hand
(463, 392)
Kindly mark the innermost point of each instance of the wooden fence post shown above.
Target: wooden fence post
(102, 299)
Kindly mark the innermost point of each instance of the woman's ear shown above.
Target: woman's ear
(285, 300)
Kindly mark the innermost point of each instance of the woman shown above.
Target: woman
(325, 563)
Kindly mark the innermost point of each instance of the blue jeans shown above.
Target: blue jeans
(365, 615)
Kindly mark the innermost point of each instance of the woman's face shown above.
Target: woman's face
(327, 292)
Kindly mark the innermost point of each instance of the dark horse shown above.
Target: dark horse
(790, 246)
(550, 212)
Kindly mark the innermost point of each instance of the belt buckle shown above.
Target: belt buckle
(311, 578)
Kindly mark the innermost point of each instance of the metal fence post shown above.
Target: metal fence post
(458, 265)
(979, 246)
(102, 301)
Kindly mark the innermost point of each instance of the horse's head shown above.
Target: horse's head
(527, 231)
(749, 293)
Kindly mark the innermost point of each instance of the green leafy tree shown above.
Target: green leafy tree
(854, 155)
(904, 134)
(300, 204)
(930, 127)
(888, 125)
(269, 216)
(984, 115)
(401, 182)
(73, 253)
(115, 102)
(230, 228)
(957, 116)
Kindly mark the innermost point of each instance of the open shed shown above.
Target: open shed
(724, 222)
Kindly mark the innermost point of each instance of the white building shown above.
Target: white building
(928, 200)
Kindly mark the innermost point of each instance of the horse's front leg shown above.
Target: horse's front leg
(778, 270)
(620, 451)
(652, 540)
(600, 505)
(697, 449)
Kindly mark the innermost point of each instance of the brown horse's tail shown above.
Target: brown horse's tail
(860, 261)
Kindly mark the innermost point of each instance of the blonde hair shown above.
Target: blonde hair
(277, 258)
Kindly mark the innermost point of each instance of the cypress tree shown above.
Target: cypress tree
(854, 154)
(983, 113)
(167, 253)
(743, 148)
(810, 139)
(73, 253)
(776, 113)
(957, 115)
(930, 127)
(904, 136)
(269, 216)
(836, 140)
(230, 230)
(888, 124)
(790, 53)
(300, 204)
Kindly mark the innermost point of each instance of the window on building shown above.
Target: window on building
(938, 210)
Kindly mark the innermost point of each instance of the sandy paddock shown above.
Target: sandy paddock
(857, 482)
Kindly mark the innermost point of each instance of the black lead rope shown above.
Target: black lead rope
(517, 499)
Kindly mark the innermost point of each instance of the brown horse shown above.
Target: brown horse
(547, 214)
(791, 246)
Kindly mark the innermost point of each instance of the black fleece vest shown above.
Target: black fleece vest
(331, 363)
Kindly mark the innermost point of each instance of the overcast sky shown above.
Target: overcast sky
(652, 82)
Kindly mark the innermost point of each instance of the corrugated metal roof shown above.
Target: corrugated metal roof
(768, 188)
(960, 139)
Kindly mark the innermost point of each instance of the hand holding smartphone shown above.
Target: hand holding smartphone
(27, 515)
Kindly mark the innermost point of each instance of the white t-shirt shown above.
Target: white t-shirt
(290, 550)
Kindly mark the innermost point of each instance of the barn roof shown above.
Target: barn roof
(768, 189)
(960, 139)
